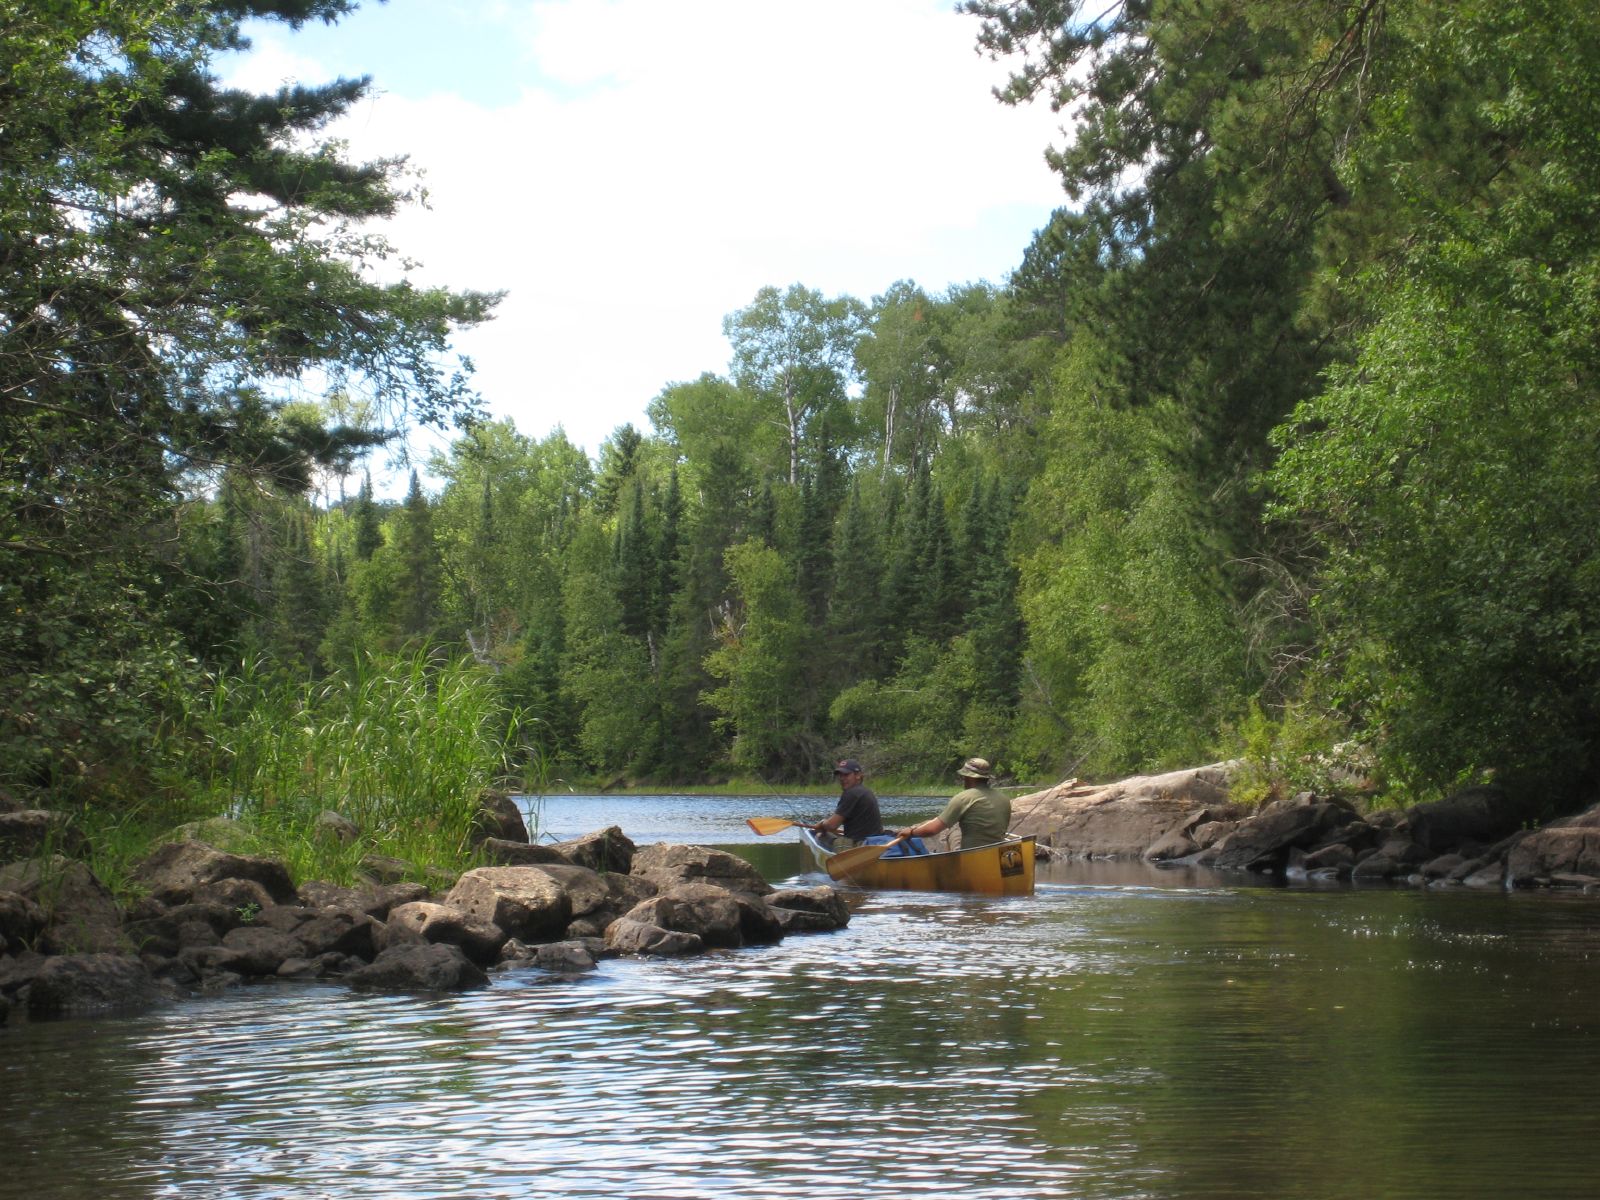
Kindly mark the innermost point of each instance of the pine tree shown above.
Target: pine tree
(420, 577)
(369, 529)
(635, 566)
(855, 640)
(299, 608)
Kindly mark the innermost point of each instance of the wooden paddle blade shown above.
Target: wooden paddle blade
(853, 859)
(766, 825)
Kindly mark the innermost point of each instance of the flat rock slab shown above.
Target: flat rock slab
(1119, 820)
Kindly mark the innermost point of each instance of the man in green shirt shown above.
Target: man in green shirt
(982, 813)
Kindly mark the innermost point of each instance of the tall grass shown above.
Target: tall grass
(402, 746)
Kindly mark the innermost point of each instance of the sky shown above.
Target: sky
(629, 172)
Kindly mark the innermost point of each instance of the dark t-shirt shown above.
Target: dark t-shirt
(859, 808)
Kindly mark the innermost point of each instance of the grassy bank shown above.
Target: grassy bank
(403, 747)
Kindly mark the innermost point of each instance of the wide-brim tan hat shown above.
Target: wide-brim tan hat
(976, 768)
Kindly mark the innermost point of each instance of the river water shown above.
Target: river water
(1122, 1033)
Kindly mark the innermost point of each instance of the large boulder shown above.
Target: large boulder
(21, 921)
(1124, 819)
(77, 984)
(709, 912)
(1571, 850)
(630, 936)
(505, 853)
(1264, 842)
(33, 831)
(376, 900)
(498, 817)
(419, 967)
(623, 892)
(819, 909)
(346, 931)
(258, 950)
(605, 850)
(421, 921)
(81, 916)
(1476, 815)
(525, 902)
(175, 872)
(167, 932)
(666, 865)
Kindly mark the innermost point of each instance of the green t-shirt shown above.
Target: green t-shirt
(983, 814)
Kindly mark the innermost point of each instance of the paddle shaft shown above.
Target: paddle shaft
(856, 857)
(766, 825)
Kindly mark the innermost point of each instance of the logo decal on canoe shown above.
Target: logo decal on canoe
(1010, 862)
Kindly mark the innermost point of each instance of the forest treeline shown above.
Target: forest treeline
(1280, 437)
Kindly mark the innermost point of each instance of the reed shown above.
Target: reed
(402, 746)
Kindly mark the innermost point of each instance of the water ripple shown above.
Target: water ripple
(1099, 1041)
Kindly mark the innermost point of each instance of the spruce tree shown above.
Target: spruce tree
(420, 576)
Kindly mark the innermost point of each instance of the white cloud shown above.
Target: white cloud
(660, 163)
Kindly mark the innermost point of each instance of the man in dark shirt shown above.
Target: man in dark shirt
(856, 816)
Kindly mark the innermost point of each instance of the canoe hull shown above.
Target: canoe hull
(1003, 869)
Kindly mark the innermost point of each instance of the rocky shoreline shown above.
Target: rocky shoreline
(1477, 838)
(210, 919)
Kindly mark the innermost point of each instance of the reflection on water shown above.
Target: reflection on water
(1122, 1033)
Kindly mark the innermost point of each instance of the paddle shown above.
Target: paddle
(766, 825)
(853, 859)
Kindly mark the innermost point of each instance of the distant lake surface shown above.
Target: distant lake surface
(1124, 1033)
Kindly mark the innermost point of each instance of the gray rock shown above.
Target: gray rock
(375, 900)
(422, 921)
(245, 896)
(759, 923)
(794, 920)
(381, 868)
(1337, 857)
(1122, 820)
(1175, 844)
(1476, 814)
(21, 920)
(666, 865)
(821, 900)
(17, 971)
(572, 955)
(419, 967)
(341, 931)
(186, 925)
(259, 951)
(81, 916)
(285, 918)
(31, 832)
(176, 871)
(1397, 858)
(607, 850)
(525, 902)
(1442, 867)
(76, 984)
(629, 936)
(709, 912)
(337, 827)
(506, 853)
(1491, 876)
(498, 817)
(1571, 849)
(1263, 842)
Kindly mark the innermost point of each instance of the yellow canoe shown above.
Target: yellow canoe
(1002, 869)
